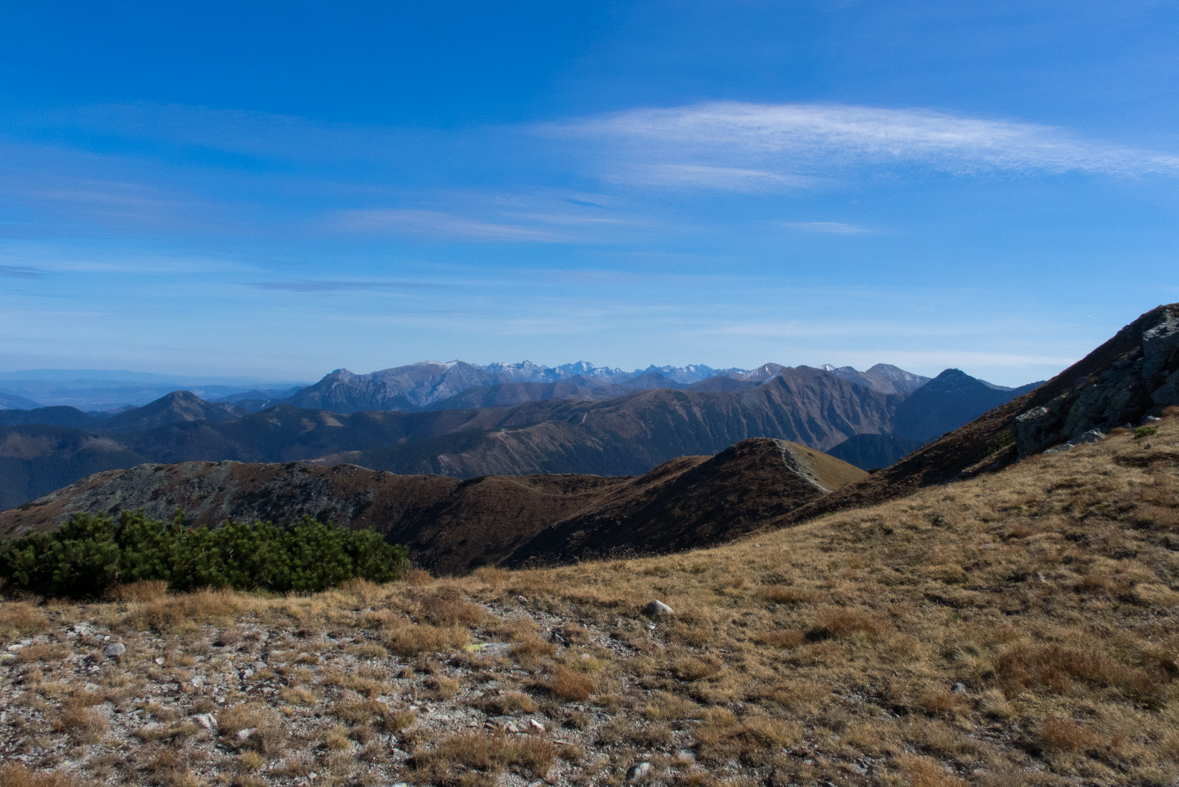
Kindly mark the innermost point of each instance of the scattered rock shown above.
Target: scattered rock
(206, 720)
(536, 725)
(658, 608)
(115, 650)
(639, 771)
(959, 688)
(8, 658)
(244, 735)
(160, 660)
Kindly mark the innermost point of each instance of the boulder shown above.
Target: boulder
(658, 609)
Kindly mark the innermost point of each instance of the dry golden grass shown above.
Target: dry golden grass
(486, 753)
(20, 776)
(509, 703)
(570, 686)
(924, 772)
(20, 618)
(410, 639)
(184, 612)
(80, 720)
(137, 591)
(42, 652)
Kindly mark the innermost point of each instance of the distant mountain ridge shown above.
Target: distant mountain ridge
(106, 390)
(883, 377)
(418, 386)
(429, 384)
(577, 425)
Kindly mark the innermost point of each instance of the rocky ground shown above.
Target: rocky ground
(253, 703)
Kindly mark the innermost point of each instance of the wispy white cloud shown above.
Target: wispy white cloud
(483, 220)
(790, 145)
(341, 285)
(441, 225)
(744, 179)
(826, 227)
(21, 272)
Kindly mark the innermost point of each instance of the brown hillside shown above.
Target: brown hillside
(694, 502)
(452, 526)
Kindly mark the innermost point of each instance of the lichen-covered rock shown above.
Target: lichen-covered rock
(1143, 378)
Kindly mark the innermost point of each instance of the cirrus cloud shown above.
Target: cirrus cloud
(754, 147)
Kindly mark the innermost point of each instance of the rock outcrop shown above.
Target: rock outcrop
(1139, 382)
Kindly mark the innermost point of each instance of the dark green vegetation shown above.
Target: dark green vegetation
(90, 554)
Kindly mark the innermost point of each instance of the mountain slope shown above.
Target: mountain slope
(453, 526)
(951, 399)
(690, 503)
(14, 402)
(1013, 629)
(1131, 376)
(176, 407)
(36, 459)
(632, 434)
(873, 451)
(49, 416)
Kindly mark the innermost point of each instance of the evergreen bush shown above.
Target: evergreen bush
(91, 553)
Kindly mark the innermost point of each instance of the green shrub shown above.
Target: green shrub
(89, 554)
(1145, 431)
(999, 443)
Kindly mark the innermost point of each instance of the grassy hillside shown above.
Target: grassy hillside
(1017, 628)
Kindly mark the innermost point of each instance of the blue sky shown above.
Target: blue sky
(275, 190)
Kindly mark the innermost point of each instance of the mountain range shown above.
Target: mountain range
(576, 425)
(405, 388)
(687, 501)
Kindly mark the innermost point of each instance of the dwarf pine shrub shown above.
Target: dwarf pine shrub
(91, 553)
